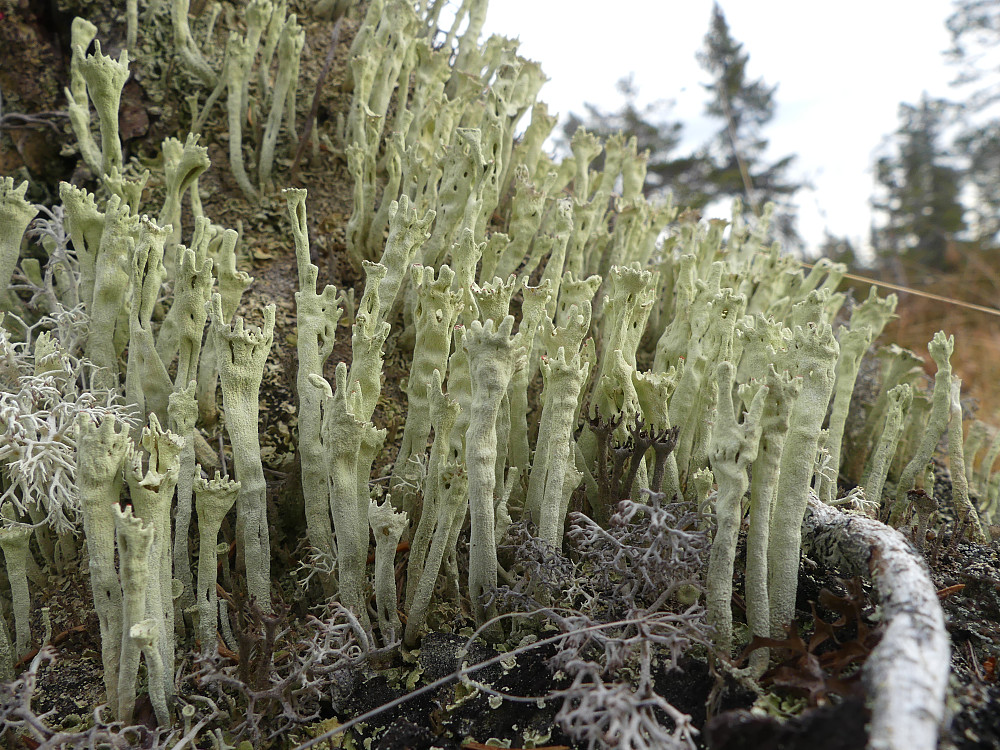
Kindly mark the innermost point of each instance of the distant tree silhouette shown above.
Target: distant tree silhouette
(917, 204)
(839, 249)
(732, 163)
(975, 37)
(975, 52)
(981, 147)
(737, 151)
(683, 176)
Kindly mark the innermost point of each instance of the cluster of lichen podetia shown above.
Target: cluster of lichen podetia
(724, 339)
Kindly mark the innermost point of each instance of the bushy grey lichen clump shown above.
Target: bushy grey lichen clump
(695, 355)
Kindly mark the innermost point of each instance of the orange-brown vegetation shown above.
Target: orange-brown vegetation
(973, 281)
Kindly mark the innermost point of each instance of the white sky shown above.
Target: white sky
(842, 69)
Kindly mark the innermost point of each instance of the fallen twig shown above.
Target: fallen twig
(906, 675)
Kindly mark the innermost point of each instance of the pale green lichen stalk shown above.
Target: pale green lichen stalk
(111, 281)
(867, 321)
(445, 502)
(15, 215)
(147, 382)
(213, 499)
(317, 315)
(290, 46)
(733, 450)
(813, 353)
(782, 392)
(564, 377)
(101, 459)
(899, 399)
(232, 283)
(899, 366)
(14, 544)
(492, 359)
(342, 435)
(82, 33)
(146, 635)
(152, 478)
(242, 352)
(940, 349)
(183, 163)
(437, 310)
(960, 501)
(185, 45)
(388, 527)
(105, 78)
(135, 543)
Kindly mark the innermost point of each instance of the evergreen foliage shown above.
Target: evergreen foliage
(737, 152)
(732, 164)
(919, 189)
(683, 176)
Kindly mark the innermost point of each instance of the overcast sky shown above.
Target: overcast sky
(841, 69)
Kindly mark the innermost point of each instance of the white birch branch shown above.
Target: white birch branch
(907, 673)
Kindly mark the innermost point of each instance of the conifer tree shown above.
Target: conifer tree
(918, 189)
(656, 133)
(737, 152)
(975, 33)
